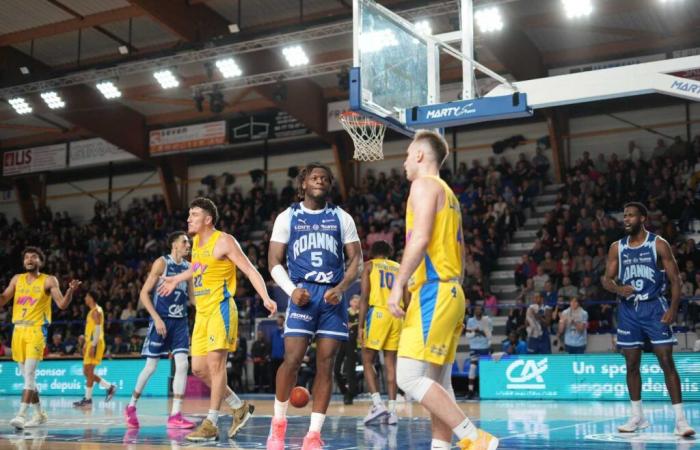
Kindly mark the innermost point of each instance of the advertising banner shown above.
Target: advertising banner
(581, 377)
(187, 137)
(65, 377)
(95, 151)
(266, 125)
(36, 159)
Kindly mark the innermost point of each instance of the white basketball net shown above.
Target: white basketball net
(367, 134)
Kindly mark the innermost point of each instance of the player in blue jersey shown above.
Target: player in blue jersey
(168, 331)
(636, 262)
(315, 237)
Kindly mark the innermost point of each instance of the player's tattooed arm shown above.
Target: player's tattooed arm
(668, 261)
(9, 291)
(608, 280)
(157, 270)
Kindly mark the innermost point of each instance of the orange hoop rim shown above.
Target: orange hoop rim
(359, 120)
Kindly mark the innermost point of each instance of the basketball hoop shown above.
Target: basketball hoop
(367, 134)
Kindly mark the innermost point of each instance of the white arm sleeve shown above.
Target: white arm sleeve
(349, 229)
(279, 274)
(280, 230)
(96, 335)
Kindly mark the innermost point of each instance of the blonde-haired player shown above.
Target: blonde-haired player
(32, 292)
(94, 351)
(379, 329)
(433, 261)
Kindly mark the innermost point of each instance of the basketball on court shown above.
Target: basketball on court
(299, 397)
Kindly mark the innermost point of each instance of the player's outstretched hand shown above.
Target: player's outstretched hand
(394, 303)
(271, 305)
(669, 317)
(333, 296)
(626, 291)
(300, 296)
(167, 286)
(74, 284)
(160, 326)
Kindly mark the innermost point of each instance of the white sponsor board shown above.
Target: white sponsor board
(95, 151)
(35, 159)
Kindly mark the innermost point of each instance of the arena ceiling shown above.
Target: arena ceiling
(51, 38)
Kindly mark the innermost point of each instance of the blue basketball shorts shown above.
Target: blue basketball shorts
(176, 340)
(636, 321)
(317, 318)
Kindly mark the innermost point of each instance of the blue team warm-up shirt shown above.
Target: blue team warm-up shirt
(639, 315)
(173, 310)
(316, 262)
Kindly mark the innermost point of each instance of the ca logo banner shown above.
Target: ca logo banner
(529, 370)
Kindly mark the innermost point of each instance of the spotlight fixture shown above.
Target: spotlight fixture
(279, 93)
(489, 19)
(20, 105)
(166, 79)
(423, 27)
(53, 100)
(344, 79)
(24, 70)
(228, 68)
(108, 89)
(199, 101)
(233, 28)
(296, 56)
(123, 50)
(577, 8)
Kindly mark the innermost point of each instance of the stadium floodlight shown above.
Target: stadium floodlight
(53, 100)
(423, 27)
(228, 68)
(20, 105)
(166, 79)
(108, 89)
(296, 56)
(577, 8)
(489, 19)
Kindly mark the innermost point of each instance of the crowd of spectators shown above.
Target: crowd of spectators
(569, 256)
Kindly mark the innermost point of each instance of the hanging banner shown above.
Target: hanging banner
(266, 125)
(35, 159)
(95, 151)
(187, 137)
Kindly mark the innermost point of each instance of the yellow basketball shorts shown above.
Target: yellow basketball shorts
(433, 323)
(382, 330)
(216, 329)
(99, 354)
(28, 342)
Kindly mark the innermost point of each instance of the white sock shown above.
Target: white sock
(233, 401)
(466, 429)
(88, 393)
(392, 406)
(23, 409)
(678, 409)
(637, 408)
(317, 420)
(437, 444)
(133, 400)
(377, 399)
(105, 384)
(281, 408)
(177, 406)
(213, 416)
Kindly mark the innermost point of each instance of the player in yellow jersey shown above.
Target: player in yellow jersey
(93, 351)
(379, 329)
(32, 292)
(432, 268)
(215, 257)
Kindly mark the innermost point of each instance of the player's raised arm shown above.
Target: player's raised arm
(157, 269)
(668, 261)
(9, 292)
(232, 250)
(423, 198)
(608, 280)
(62, 301)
